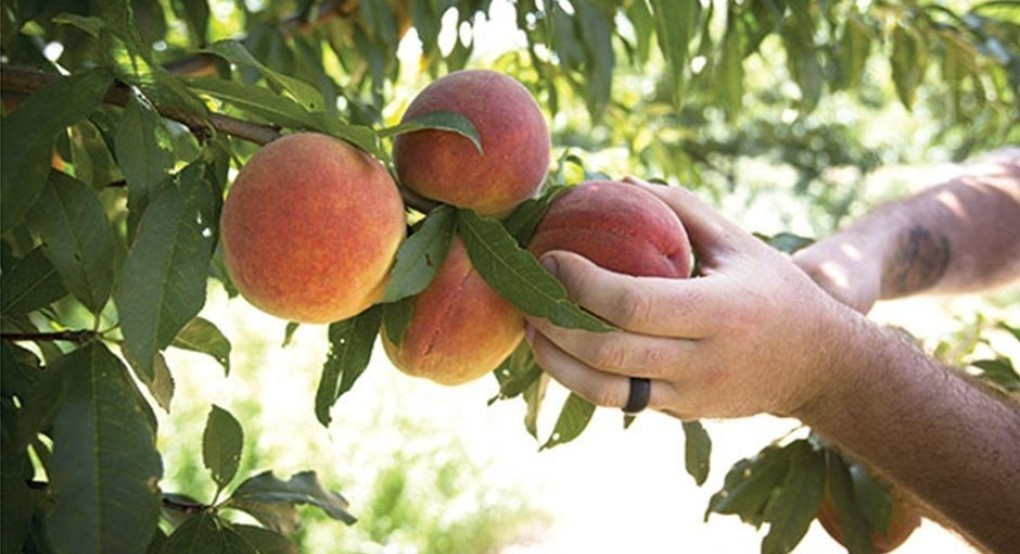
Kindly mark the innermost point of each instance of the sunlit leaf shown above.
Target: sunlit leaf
(350, 350)
(697, 451)
(909, 60)
(517, 276)
(222, 442)
(573, 420)
(201, 335)
(795, 506)
(421, 255)
(750, 484)
(440, 121)
(301, 488)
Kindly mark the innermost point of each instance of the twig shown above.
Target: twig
(27, 81)
(82, 336)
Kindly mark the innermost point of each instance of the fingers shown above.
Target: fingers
(619, 352)
(598, 387)
(685, 308)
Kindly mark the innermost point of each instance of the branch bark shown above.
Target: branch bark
(78, 337)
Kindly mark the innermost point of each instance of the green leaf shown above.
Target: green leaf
(854, 48)
(144, 151)
(196, 14)
(302, 488)
(873, 497)
(792, 510)
(516, 275)
(750, 484)
(350, 350)
(164, 276)
(222, 443)
(1015, 331)
(840, 486)
(20, 372)
(105, 466)
(516, 373)
(533, 397)
(574, 418)
(201, 335)
(788, 243)
(28, 133)
(730, 69)
(206, 533)
(31, 283)
(440, 121)
(15, 469)
(77, 238)
(255, 100)
(305, 94)
(999, 371)
(91, 25)
(40, 405)
(525, 218)
(421, 255)
(697, 451)
(396, 316)
(595, 24)
(676, 23)
(288, 333)
(802, 57)
(162, 385)
(264, 541)
(909, 60)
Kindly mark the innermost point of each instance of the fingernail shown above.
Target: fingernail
(529, 332)
(550, 265)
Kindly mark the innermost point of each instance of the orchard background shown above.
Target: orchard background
(143, 403)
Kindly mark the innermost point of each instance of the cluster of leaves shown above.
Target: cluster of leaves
(783, 486)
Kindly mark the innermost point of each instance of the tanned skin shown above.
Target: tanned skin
(759, 334)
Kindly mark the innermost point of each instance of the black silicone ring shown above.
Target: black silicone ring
(640, 394)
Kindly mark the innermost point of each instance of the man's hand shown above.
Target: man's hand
(750, 334)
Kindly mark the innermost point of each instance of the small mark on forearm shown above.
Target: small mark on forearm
(918, 263)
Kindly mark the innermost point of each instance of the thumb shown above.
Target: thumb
(706, 227)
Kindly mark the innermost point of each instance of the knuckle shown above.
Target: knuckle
(609, 353)
(633, 308)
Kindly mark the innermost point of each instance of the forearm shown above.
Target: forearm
(928, 430)
(960, 236)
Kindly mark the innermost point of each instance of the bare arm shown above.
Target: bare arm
(753, 334)
(962, 235)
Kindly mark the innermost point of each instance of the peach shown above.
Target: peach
(460, 328)
(903, 520)
(619, 227)
(310, 229)
(445, 166)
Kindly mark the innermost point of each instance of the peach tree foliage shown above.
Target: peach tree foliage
(115, 160)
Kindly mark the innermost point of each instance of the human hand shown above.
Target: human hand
(750, 334)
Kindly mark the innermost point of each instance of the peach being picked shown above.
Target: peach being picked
(619, 227)
(445, 166)
(460, 328)
(310, 229)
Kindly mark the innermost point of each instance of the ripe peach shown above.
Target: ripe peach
(445, 166)
(619, 227)
(310, 229)
(902, 522)
(460, 329)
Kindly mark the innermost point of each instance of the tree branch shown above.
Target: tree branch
(82, 336)
(28, 81)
